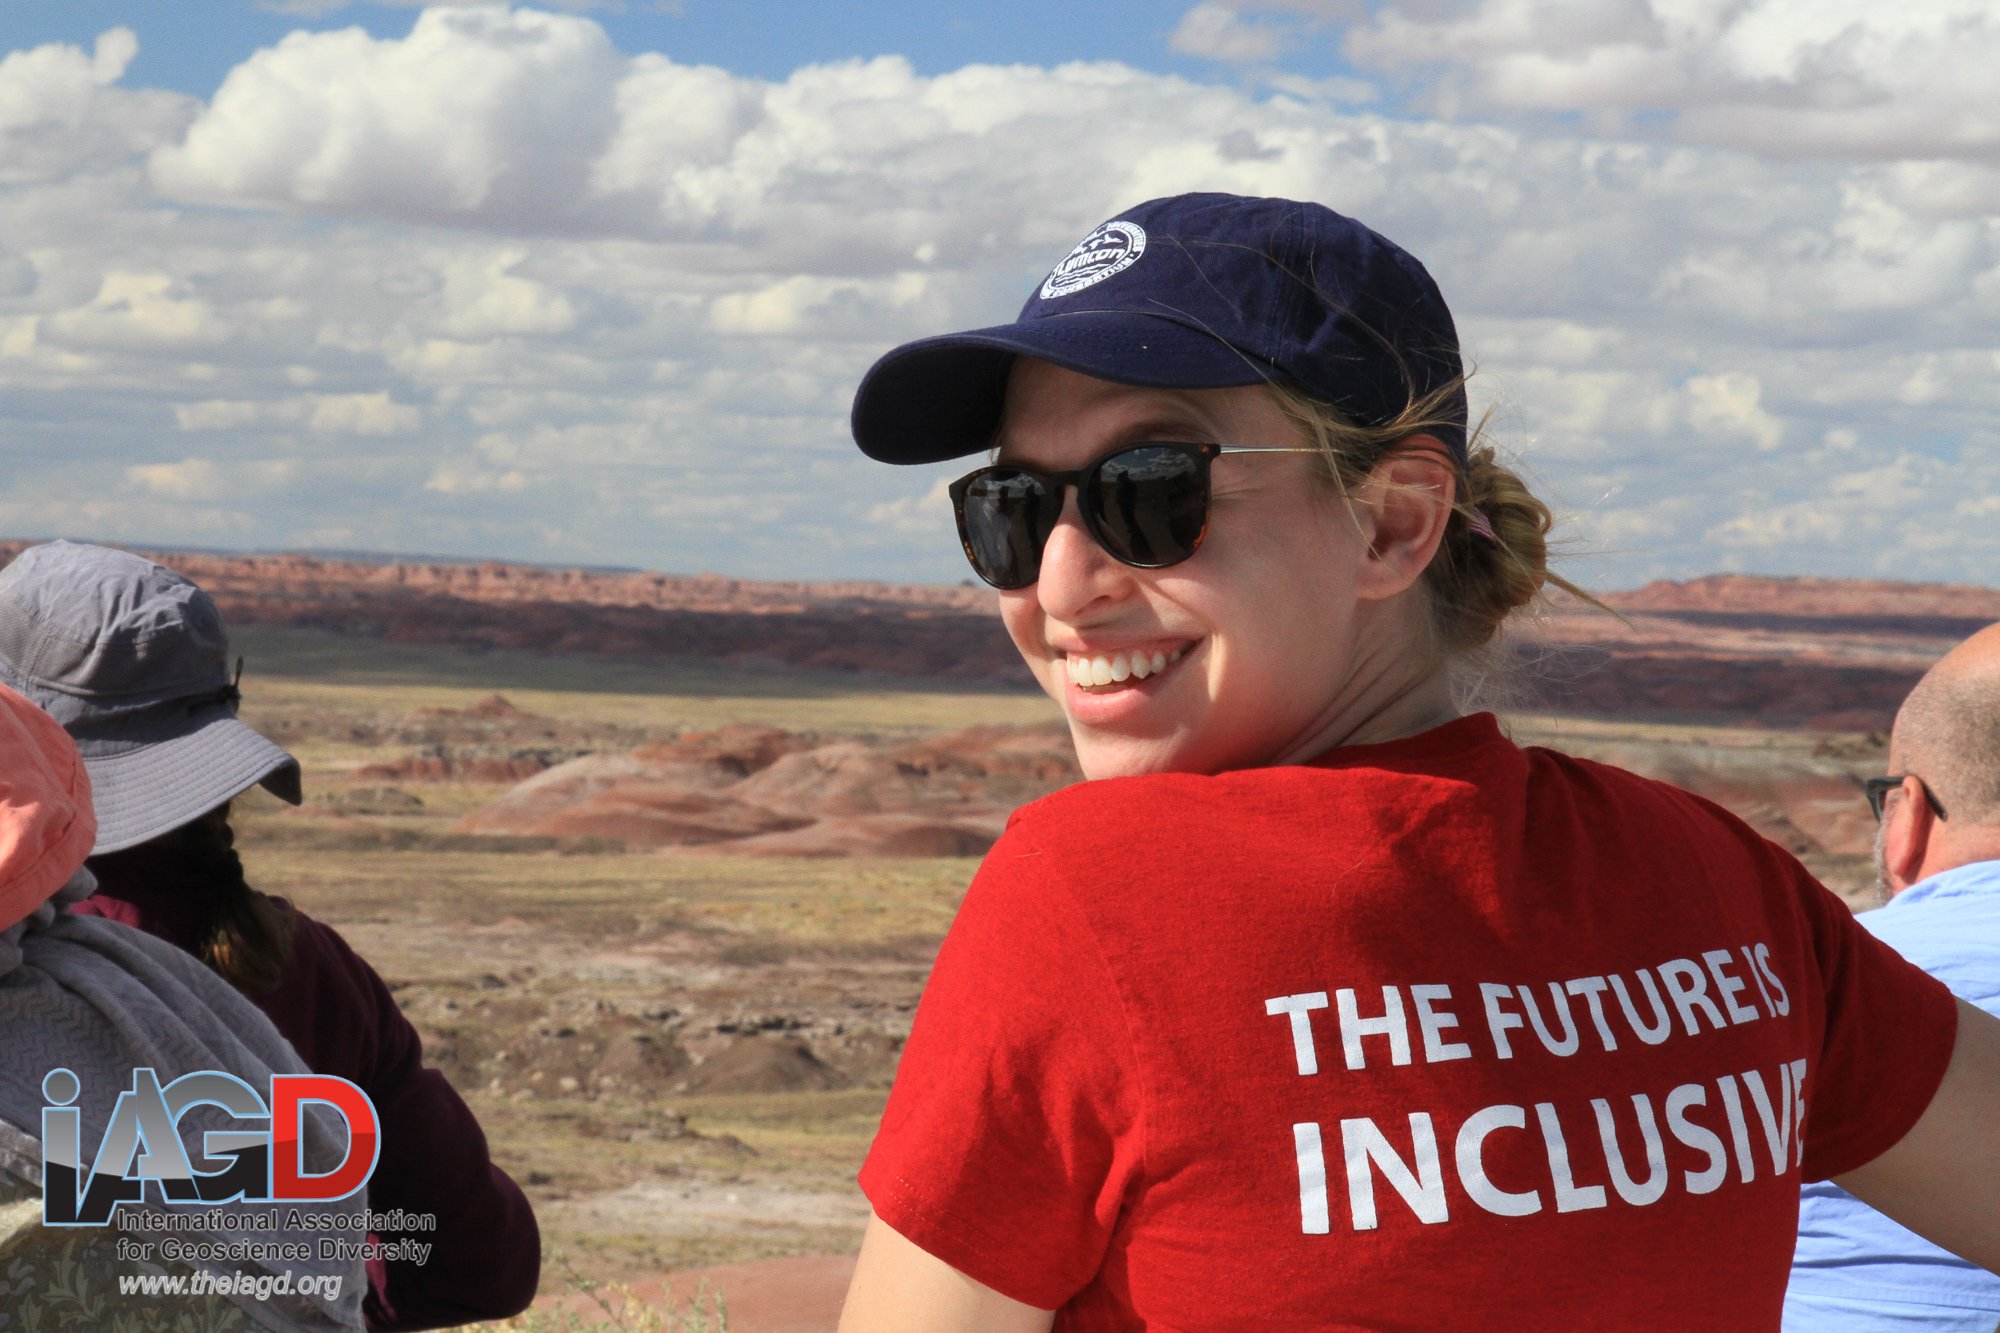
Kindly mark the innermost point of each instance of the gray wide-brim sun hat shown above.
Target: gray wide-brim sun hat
(131, 658)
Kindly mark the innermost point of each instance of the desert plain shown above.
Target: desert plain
(657, 868)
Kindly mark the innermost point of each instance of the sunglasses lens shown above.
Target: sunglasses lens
(1005, 517)
(1150, 504)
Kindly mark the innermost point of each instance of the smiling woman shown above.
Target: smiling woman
(1322, 1005)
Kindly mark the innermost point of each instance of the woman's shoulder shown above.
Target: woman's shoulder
(1617, 795)
(1130, 794)
(317, 943)
(1467, 772)
(1127, 818)
(1465, 752)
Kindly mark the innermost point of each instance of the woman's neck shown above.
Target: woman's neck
(1419, 705)
(1397, 685)
(1388, 709)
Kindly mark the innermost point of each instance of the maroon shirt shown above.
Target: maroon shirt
(485, 1254)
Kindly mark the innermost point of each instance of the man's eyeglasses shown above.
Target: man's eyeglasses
(1145, 504)
(1878, 790)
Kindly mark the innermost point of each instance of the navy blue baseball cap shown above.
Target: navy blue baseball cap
(1199, 291)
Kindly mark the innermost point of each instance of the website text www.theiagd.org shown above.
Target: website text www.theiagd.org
(258, 1286)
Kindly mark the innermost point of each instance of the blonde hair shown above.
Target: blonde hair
(1493, 560)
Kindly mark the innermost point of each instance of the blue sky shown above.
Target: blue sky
(593, 283)
(189, 45)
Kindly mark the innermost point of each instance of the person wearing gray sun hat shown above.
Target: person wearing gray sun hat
(131, 658)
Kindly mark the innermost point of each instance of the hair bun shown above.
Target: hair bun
(1494, 559)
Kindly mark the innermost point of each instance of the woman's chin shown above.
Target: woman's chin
(1103, 755)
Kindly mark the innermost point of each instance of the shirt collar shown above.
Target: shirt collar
(1975, 877)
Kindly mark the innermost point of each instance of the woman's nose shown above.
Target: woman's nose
(1077, 572)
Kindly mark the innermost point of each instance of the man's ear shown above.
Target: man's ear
(1907, 825)
(1405, 505)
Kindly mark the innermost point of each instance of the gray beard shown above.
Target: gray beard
(1881, 858)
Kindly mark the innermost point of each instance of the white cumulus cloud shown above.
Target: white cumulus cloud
(1788, 78)
(498, 287)
(61, 110)
(478, 111)
(1729, 406)
(203, 479)
(1220, 32)
(321, 413)
(138, 311)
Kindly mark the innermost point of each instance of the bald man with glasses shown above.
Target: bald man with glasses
(1937, 855)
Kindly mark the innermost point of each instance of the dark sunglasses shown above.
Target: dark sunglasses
(1145, 504)
(1878, 790)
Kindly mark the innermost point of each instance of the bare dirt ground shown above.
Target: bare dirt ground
(681, 1055)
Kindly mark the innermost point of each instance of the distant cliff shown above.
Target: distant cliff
(1831, 653)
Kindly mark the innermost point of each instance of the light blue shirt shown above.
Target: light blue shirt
(1855, 1269)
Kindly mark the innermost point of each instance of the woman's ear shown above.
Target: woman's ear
(1404, 507)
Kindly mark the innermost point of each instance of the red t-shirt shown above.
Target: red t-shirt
(1440, 1033)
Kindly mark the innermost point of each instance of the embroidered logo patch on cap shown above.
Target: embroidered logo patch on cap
(1112, 248)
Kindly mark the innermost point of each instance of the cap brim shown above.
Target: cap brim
(141, 792)
(941, 397)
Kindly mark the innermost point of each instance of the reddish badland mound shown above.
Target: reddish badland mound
(875, 835)
(761, 1062)
(490, 742)
(443, 766)
(493, 708)
(759, 791)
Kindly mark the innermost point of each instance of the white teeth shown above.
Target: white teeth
(1117, 668)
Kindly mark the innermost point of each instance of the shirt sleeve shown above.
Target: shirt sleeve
(485, 1260)
(1890, 1028)
(1014, 1131)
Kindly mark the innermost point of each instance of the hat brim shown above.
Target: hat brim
(141, 792)
(940, 398)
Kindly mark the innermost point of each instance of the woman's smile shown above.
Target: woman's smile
(1107, 670)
